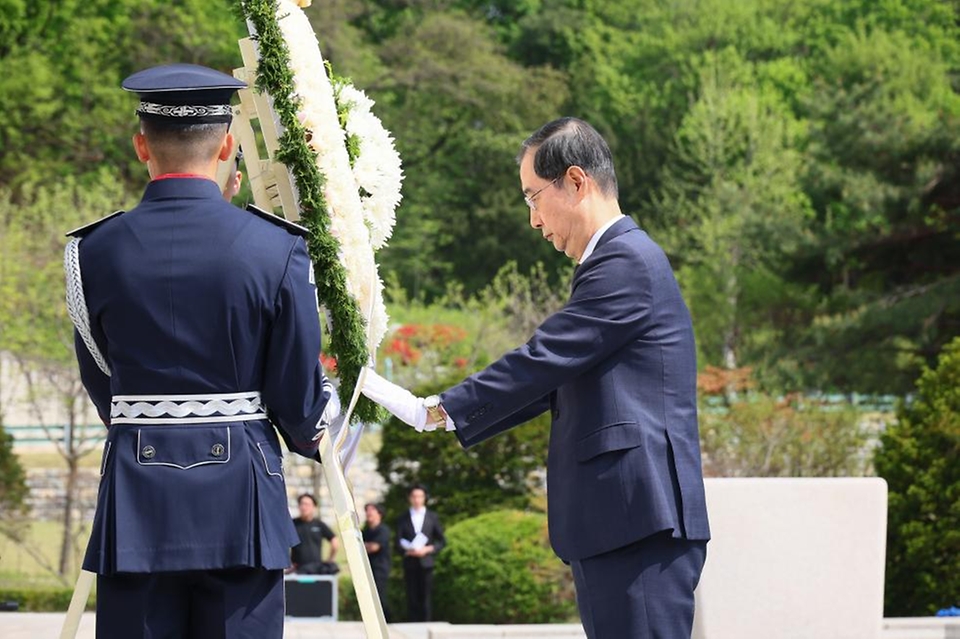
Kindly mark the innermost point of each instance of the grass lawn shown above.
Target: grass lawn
(19, 569)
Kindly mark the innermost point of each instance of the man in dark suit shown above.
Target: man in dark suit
(616, 367)
(197, 326)
(419, 539)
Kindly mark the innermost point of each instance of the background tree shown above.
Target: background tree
(834, 128)
(13, 490)
(883, 175)
(63, 63)
(920, 459)
(731, 202)
(35, 329)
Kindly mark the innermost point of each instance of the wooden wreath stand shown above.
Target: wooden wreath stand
(272, 185)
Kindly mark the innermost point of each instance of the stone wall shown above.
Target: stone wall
(48, 487)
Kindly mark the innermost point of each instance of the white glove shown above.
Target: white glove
(404, 405)
(331, 412)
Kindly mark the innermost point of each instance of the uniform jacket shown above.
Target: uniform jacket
(616, 366)
(188, 294)
(431, 528)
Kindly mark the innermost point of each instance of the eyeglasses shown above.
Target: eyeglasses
(529, 198)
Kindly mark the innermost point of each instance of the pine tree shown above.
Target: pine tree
(920, 459)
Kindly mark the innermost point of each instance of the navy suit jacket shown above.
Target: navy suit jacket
(188, 294)
(616, 366)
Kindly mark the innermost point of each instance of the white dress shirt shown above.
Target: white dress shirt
(416, 516)
(592, 244)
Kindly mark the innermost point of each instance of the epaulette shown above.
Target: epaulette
(296, 229)
(83, 230)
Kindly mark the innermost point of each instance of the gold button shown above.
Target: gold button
(217, 450)
(148, 452)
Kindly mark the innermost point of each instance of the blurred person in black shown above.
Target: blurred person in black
(307, 557)
(376, 539)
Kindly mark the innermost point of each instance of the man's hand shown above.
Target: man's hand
(404, 405)
(233, 186)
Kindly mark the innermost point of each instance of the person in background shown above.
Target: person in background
(376, 539)
(307, 557)
(419, 539)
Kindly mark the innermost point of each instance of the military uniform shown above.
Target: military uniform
(197, 333)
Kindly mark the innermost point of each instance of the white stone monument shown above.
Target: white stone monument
(794, 558)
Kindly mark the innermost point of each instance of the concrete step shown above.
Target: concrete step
(921, 628)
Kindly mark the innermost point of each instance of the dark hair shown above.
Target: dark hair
(307, 496)
(376, 507)
(176, 143)
(567, 142)
(418, 487)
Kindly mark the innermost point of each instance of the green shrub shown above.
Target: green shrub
(499, 568)
(762, 436)
(348, 608)
(496, 474)
(13, 489)
(42, 599)
(920, 459)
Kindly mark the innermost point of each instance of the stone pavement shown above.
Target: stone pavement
(44, 625)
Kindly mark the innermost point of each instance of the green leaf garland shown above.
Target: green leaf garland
(348, 341)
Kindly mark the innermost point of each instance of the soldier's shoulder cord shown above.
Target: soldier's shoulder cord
(85, 230)
(291, 227)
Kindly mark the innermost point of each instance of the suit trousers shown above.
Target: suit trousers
(234, 603)
(419, 583)
(641, 591)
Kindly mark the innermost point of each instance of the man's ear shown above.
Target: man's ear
(226, 149)
(577, 177)
(140, 146)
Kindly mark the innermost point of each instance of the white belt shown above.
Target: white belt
(186, 409)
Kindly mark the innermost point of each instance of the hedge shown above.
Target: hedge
(499, 568)
(42, 599)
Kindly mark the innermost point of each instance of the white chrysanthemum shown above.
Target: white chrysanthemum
(318, 113)
(377, 167)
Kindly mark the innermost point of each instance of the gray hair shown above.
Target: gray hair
(567, 142)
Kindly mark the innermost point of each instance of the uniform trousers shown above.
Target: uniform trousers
(641, 591)
(234, 603)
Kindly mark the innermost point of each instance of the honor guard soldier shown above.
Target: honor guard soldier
(197, 334)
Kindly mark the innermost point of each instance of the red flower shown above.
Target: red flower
(408, 331)
(408, 354)
(329, 363)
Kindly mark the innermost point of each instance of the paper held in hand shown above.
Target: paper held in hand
(417, 543)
